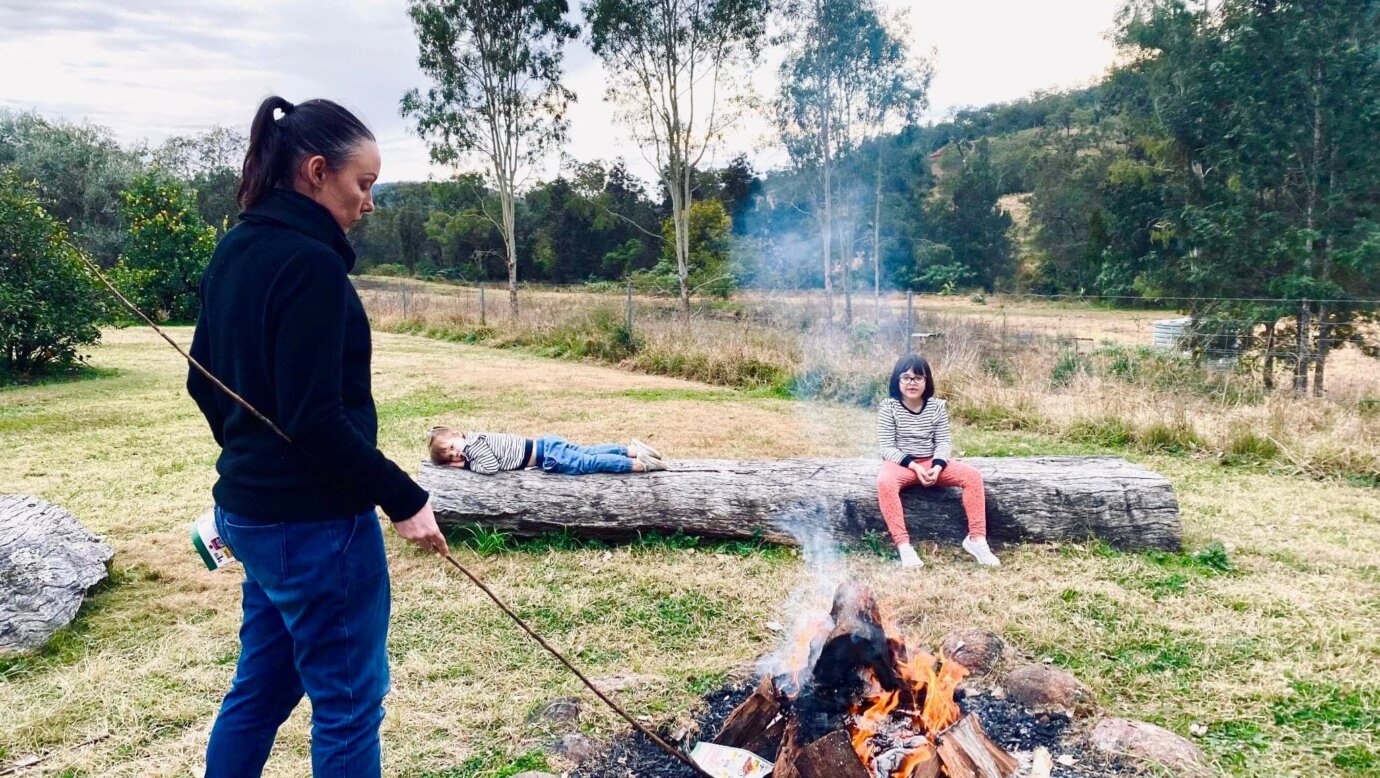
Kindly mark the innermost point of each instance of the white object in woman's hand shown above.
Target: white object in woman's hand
(421, 529)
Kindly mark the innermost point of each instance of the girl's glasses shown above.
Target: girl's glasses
(912, 379)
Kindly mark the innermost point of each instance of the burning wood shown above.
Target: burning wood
(865, 707)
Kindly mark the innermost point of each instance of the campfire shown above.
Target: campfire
(852, 701)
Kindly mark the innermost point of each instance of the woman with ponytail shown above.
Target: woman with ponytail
(282, 326)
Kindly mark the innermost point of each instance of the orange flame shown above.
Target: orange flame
(865, 725)
(801, 649)
(940, 711)
(934, 680)
(914, 759)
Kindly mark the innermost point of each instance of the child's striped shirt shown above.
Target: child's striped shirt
(905, 435)
(490, 452)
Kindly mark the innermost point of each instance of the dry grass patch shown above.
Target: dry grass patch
(1271, 642)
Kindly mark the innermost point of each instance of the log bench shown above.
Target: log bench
(1035, 499)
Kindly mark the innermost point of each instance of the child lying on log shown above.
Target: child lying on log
(490, 452)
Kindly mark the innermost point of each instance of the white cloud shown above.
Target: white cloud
(155, 68)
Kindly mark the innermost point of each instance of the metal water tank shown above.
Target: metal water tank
(1169, 333)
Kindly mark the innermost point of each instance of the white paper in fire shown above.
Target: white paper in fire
(725, 762)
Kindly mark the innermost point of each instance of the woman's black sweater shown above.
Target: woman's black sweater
(283, 327)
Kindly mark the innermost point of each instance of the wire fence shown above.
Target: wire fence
(994, 327)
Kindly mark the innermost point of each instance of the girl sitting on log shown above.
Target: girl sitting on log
(913, 432)
(490, 452)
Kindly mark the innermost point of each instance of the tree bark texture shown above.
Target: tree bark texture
(1038, 499)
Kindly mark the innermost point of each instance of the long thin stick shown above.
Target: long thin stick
(667, 747)
(445, 553)
(243, 402)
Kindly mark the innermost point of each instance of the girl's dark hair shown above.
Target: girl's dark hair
(917, 365)
(276, 145)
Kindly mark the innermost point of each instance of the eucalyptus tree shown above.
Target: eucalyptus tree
(496, 92)
(676, 84)
(1270, 110)
(843, 80)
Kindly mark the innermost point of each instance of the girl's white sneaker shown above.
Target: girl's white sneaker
(978, 548)
(908, 556)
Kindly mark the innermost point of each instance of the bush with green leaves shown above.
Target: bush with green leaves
(167, 248)
(711, 243)
(49, 304)
(390, 269)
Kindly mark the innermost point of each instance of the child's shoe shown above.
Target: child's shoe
(909, 558)
(638, 448)
(650, 463)
(978, 548)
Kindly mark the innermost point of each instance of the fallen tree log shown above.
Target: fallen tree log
(1035, 499)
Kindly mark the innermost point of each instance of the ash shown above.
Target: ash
(1006, 723)
(635, 756)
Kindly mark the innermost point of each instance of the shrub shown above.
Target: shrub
(1175, 437)
(1171, 372)
(1067, 365)
(1368, 406)
(1020, 414)
(49, 304)
(997, 365)
(1108, 431)
(388, 269)
(167, 247)
(1245, 446)
(602, 335)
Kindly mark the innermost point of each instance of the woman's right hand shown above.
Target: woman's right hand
(421, 529)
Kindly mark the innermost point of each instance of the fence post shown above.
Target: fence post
(1301, 346)
(630, 310)
(910, 320)
(483, 309)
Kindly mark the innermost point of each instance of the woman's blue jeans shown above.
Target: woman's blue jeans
(316, 608)
(558, 455)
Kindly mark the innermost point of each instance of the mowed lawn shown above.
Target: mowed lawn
(1272, 640)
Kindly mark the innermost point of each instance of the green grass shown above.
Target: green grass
(488, 541)
(80, 372)
(493, 764)
(1106, 432)
(426, 403)
(1175, 436)
(1264, 628)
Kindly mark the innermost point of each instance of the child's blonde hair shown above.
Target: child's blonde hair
(437, 439)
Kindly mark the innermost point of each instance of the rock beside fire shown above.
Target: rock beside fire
(1041, 686)
(976, 649)
(1141, 740)
(558, 714)
(575, 748)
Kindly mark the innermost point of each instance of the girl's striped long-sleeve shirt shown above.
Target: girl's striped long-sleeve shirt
(905, 435)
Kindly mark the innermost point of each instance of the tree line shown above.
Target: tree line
(1229, 162)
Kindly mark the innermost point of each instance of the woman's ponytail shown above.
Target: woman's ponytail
(265, 152)
(277, 143)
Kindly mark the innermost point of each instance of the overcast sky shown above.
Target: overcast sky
(154, 68)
